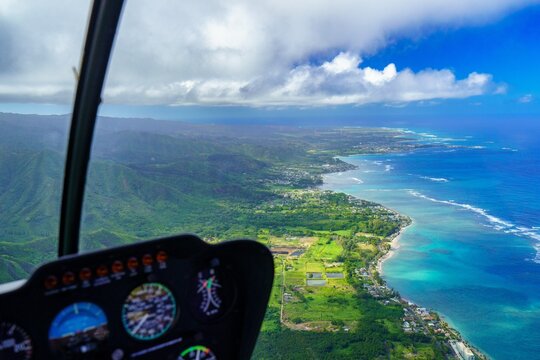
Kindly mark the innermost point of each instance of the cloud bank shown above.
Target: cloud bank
(265, 53)
(336, 82)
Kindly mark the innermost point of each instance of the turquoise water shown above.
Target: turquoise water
(471, 253)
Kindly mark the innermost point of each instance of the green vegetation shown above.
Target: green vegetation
(151, 178)
(338, 320)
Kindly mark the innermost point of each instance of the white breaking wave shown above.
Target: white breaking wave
(449, 139)
(495, 222)
(508, 149)
(359, 181)
(407, 131)
(435, 179)
(431, 137)
(386, 190)
(386, 166)
(491, 218)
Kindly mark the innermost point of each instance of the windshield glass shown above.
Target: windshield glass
(40, 48)
(386, 153)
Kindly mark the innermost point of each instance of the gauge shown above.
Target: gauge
(214, 293)
(149, 311)
(197, 352)
(14, 342)
(80, 328)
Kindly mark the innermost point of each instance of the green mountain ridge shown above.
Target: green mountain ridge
(180, 177)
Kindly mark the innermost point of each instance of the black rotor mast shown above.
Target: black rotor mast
(97, 50)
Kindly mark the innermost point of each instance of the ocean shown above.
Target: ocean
(473, 251)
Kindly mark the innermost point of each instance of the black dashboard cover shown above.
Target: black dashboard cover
(219, 294)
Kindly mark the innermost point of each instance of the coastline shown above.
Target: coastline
(451, 335)
(394, 245)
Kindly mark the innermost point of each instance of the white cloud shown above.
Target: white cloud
(238, 51)
(525, 99)
(379, 78)
(336, 82)
(501, 89)
(344, 62)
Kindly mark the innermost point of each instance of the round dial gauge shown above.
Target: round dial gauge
(149, 311)
(197, 352)
(214, 294)
(14, 342)
(209, 290)
(80, 328)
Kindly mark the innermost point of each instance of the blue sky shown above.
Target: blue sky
(508, 48)
(354, 59)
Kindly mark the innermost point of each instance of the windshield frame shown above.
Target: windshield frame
(102, 28)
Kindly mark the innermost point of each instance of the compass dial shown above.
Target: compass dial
(14, 342)
(149, 311)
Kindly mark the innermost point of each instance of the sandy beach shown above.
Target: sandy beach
(394, 244)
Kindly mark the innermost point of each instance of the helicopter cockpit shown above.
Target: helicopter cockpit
(170, 298)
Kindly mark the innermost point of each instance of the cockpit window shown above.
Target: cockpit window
(40, 47)
(325, 132)
(385, 152)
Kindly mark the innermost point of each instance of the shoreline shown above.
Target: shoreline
(394, 245)
(451, 334)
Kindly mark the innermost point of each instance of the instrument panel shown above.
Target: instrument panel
(172, 298)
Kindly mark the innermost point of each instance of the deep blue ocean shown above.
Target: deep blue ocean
(472, 253)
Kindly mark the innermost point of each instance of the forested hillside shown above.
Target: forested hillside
(151, 178)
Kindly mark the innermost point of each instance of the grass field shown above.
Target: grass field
(319, 308)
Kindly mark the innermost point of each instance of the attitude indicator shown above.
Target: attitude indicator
(79, 329)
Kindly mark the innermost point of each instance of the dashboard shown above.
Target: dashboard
(171, 298)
